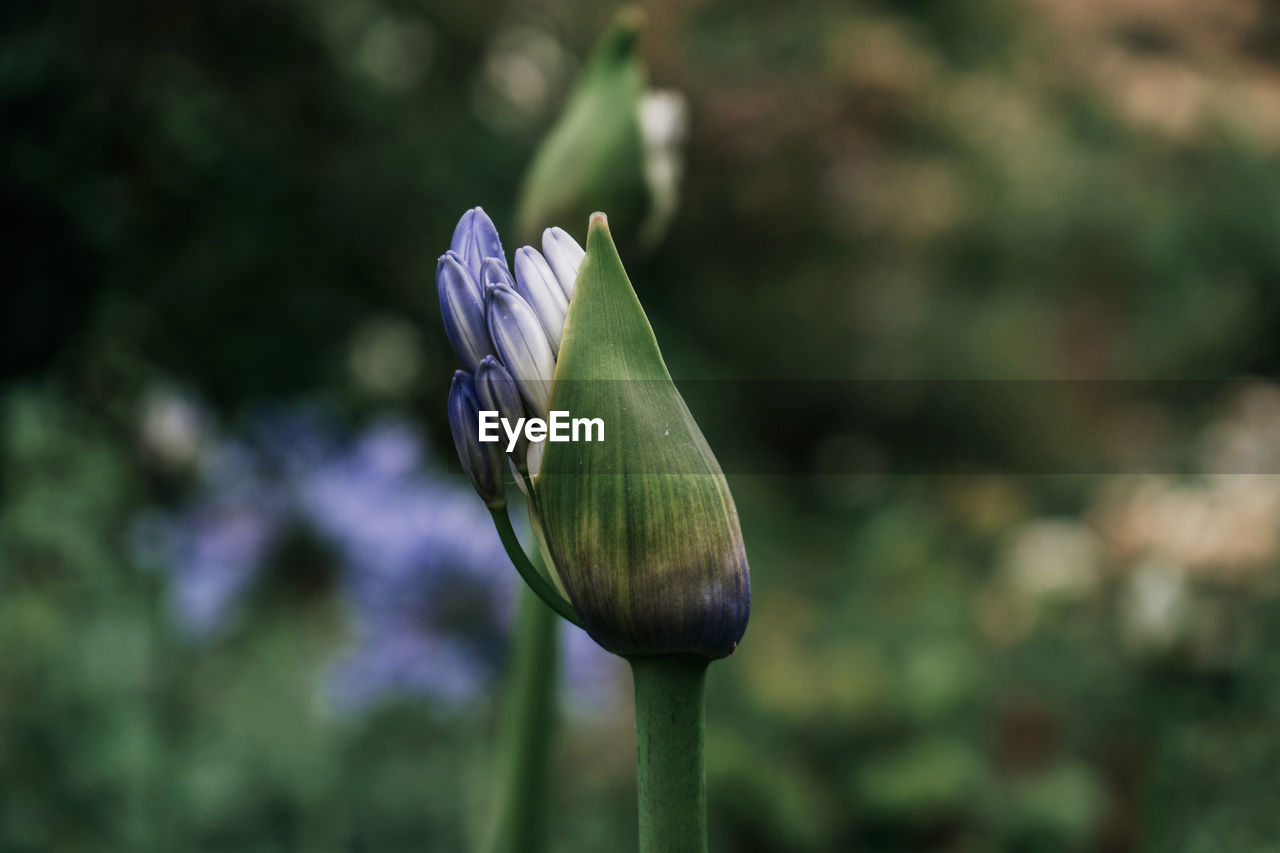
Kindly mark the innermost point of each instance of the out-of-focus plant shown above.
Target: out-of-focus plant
(616, 146)
(638, 530)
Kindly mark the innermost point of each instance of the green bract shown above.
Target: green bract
(592, 158)
(641, 527)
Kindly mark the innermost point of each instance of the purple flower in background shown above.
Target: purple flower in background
(223, 547)
(424, 577)
(403, 659)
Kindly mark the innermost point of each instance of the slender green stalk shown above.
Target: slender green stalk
(531, 574)
(519, 819)
(670, 753)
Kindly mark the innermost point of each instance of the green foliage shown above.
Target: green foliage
(249, 199)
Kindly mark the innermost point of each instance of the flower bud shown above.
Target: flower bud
(462, 308)
(592, 156)
(493, 271)
(496, 391)
(617, 145)
(521, 344)
(481, 461)
(475, 239)
(564, 256)
(642, 528)
(538, 285)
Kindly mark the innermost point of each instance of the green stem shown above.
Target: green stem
(670, 753)
(532, 576)
(528, 722)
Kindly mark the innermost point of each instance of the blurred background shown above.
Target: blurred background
(977, 303)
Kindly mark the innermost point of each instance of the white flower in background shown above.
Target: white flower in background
(1052, 559)
(664, 126)
(172, 427)
(1224, 525)
(1155, 608)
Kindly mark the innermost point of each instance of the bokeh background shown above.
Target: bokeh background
(1015, 537)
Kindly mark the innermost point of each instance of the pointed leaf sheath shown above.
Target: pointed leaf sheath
(496, 391)
(538, 285)
(564, 256)
(481, 461)
(475, 239)
(641, 526)
(591, 158)
(463, 310)
(521, 344)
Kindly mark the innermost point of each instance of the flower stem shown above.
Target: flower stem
(670, 753)
(532, 576)
(528, 724)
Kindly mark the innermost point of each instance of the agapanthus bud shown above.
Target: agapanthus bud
(494, 271)
(475, 239)
(497, 392)
(482, 461)
(564, 256)
(462, 308)
(617, 145)
(521, 344)
(642, 528)
(592, 156)
(538, 285)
